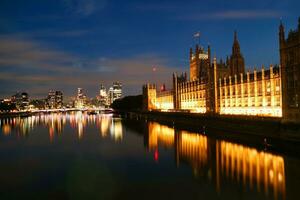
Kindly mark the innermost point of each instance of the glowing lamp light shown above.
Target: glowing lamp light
(156, 155)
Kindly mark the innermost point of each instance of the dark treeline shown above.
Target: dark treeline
(128, 103)
(6, 107)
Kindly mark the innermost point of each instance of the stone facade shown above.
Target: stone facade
(290, 70)
(224, 88)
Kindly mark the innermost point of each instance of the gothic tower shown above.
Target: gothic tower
(199, 63)
(237, 63)
(290, 73)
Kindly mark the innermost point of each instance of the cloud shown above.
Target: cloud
(27, 65)
(28, 54)
(234, 14)
(84, 7)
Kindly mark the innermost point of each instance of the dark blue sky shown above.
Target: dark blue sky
(65, 44)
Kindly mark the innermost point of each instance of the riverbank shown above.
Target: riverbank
(263, 131)
(15, 114)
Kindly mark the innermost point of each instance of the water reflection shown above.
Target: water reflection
(222, 162)
(55, 122)
(249, 166)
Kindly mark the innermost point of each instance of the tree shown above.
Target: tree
(128, 103)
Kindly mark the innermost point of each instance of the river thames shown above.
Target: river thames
(81, 156)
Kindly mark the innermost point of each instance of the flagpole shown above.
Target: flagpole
(197, 37)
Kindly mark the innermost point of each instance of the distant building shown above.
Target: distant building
(21, 100)
(55, 99)
(114, 92)
(103, 96)
(81, 99)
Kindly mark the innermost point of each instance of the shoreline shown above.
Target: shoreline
(279, 137)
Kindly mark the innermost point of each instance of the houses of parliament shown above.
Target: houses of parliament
(225, 88)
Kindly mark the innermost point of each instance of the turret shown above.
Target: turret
(191, 53)
(281, 34)
(236, 45)
(208, 52)
(197, 50)
(237, 62)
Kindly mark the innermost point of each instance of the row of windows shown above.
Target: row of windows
(251, 102)
(193, 96)
(233, 89)
(192, 89)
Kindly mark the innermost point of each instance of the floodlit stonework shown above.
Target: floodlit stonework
(224, 88)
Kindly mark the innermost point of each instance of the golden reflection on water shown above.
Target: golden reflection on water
(257, 170)
(251, 167)
(55, 122)
(160, 134)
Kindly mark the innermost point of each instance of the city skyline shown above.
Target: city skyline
(76, 43)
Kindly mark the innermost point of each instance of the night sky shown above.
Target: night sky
(65, 44)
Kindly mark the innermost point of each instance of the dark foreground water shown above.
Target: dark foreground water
(80, 156)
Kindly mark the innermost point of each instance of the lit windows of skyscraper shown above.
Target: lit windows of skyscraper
(103, 98)
(21, 100)
(115, 92)
(55, 99)
(80, 99)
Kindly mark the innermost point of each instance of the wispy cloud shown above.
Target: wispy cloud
(34, 67)
(233, 14)
(28, 54)
(84, 7)
(50, 33)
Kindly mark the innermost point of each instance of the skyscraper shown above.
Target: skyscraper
(55, 99)
(21, 100)
(103, 97)
(115, 92)
(81, 99)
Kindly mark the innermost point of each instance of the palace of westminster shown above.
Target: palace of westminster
(225, 88)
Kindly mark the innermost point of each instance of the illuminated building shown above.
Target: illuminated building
(258, 93)
(224, 88)
(55, 99)
(115, 92)
(290, 70)
(103, 97)
(81, 99)
(21, 100)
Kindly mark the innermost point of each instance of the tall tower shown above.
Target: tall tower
(237, 63)
(290, 73)
(199, 63)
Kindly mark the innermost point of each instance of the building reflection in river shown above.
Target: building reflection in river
(251, 167)
(221, 161)
(55, 122)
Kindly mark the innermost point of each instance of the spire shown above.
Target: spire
(281, 33)
(236, 45)
(235, 35)
(208, 52)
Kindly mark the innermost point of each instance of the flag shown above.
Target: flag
(197, 35)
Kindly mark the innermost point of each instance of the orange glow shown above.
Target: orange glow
(193, 148)
(116, 130)
(247, 165)
(6, 129)
(160, 134)
(259, 95)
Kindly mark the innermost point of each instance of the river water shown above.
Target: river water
(81, 156)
